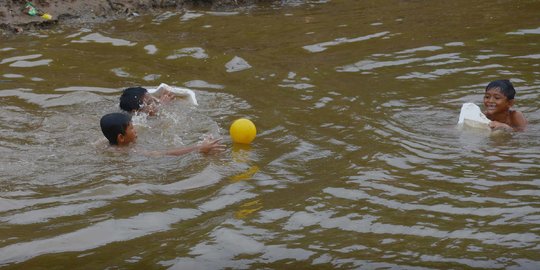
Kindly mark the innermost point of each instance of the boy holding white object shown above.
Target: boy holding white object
(139, 99)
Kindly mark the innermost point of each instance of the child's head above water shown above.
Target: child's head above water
(137, 99)
(498, 102)
(505, 87)
(132, 99)
(118, 129)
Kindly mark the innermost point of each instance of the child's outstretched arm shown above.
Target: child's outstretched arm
(166, 97)
(205, 147)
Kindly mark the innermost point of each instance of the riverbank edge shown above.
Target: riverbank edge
(14, 19)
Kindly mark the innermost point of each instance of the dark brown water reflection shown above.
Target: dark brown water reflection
(358, 163)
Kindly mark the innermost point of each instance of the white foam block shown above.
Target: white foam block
(471, 115)
(179, 91)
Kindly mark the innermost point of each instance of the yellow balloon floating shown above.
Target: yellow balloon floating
(243, 131)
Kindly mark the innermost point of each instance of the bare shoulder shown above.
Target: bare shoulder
(518, 120)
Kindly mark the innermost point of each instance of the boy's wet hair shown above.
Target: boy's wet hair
(505, 86)
(113, 124)
(132, 98)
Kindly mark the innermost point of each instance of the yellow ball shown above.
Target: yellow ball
(243, 131)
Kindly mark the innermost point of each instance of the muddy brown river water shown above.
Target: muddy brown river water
(357, 164)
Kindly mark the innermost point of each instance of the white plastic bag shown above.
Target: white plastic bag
(179, 91)
(472, 116)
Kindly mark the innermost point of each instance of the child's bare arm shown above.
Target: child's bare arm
(517, 121)
(499, 125)
(211, 145)
(205, 147)
(166, 97)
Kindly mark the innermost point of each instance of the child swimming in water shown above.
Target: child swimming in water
(498, 100)
(119, 130)
(137, 99)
